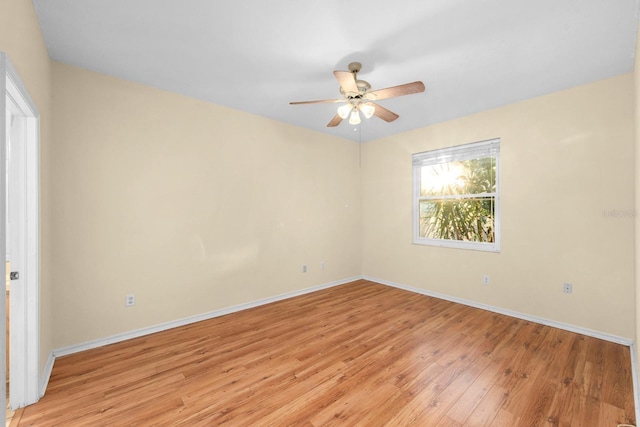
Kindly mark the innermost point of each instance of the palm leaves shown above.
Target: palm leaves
(458, 200)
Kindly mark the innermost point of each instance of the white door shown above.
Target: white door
(20, 133)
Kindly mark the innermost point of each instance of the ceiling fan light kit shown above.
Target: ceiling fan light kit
(359, 97)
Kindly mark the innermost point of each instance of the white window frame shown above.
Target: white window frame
(488, 148)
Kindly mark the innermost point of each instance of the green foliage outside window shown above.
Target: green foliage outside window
(457, 200)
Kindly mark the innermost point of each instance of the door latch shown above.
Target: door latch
(14, 275)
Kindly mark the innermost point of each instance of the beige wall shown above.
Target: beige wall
(190, 206)
(565, 158)
(21, 40)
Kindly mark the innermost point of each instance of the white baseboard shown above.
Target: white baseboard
(192, 319)
(535, 319)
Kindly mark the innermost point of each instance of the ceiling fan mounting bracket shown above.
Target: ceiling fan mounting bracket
(355, 67)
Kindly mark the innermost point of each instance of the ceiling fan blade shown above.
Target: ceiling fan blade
(321, 101)
(390, 92)
(347, 81)
(335, 121)
(384, 114)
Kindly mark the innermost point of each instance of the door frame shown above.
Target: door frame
(25, 296)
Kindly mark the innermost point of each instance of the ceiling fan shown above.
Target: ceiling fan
(360, 98)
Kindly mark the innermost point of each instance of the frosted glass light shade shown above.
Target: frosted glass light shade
(355, 117)
(368, 109)
(344, 110)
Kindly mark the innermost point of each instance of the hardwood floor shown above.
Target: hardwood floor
(356, 354)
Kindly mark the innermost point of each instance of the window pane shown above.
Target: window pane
(472, 176)
(465, 219)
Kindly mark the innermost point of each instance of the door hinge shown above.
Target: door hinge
(14, 275)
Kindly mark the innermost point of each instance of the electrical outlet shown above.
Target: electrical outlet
(304, 268)
(130, 300)
(485, 280)
(322, 265)
(567, 288)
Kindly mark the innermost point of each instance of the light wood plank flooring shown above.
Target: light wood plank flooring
(356, 354)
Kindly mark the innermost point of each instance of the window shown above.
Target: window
(457, 196)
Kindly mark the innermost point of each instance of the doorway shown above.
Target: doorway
(19, 237)
(8, 116)
(14, 128)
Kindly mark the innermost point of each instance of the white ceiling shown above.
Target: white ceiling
(257, 55)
